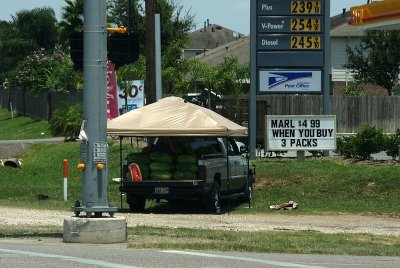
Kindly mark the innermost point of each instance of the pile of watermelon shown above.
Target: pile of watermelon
(186, 167)
(162, 166)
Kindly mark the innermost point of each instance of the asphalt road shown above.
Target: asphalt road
(24, 253)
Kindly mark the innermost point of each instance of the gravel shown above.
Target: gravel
(332, 223)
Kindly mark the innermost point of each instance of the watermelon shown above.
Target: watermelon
(160, 175)
(161, 157)
(187, 158)
(161, 166)
(186, 167)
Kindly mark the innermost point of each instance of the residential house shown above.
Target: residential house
(209, 37)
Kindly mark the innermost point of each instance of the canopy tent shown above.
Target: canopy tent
(173, 116)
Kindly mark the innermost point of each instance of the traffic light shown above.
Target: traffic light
(123, 48)
(76, 49)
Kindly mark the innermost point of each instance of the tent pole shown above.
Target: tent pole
(228, 175)
(120, 169)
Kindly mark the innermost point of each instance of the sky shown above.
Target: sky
(231, 14)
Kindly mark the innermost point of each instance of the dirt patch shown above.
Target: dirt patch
(329, 223)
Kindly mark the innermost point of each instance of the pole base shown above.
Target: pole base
(95, 230)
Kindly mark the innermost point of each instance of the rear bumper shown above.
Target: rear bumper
(165, 189)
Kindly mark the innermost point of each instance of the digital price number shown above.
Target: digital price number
(305, 7)
(305, 25)
(305, 42)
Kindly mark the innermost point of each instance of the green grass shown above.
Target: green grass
(20, 127)
(267, 242)
(328, 186)
(263, 242)
(319, 186)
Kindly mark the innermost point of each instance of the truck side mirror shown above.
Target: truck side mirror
(243, 149)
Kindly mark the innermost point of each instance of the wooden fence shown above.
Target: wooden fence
(351, 112)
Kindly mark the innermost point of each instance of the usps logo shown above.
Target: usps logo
(286, 81)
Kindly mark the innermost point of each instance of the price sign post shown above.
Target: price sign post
(289, 50)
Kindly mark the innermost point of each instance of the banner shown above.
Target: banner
(112, 101)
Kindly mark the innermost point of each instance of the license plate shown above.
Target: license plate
(161, 190)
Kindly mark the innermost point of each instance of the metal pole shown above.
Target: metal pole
(150, 88)
(157, 40)
(253, 80)
(327, 64)
(95, 148)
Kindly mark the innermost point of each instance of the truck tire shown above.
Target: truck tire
(136, 203)
(213, 200)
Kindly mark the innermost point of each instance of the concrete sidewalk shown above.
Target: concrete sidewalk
(12, 148)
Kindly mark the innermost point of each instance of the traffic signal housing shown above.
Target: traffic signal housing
(122, 48)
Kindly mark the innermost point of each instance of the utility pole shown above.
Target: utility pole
(150, 84)
(94, 147)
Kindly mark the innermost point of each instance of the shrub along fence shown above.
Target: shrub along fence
(351, 112)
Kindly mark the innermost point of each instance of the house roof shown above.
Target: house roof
(239, 48)
(211, 36)
(340, 26)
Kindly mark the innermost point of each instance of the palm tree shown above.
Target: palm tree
(72, 18)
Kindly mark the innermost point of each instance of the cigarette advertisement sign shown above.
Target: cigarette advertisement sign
(130, 95)
(300, 132)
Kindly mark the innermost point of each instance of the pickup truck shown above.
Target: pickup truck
(221, 169)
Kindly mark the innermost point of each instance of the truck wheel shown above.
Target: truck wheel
(213, 199)
(136, 203)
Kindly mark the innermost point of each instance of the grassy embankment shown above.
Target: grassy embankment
(318, 185)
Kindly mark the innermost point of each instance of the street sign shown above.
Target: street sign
(100, 152)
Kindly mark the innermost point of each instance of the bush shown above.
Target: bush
(66, 121)
(345, 146)
(392, 143)
(367, 141)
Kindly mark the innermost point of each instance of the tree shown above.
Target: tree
(28, 31)
(44, 72)
(175, 25)
(38, 25)
(72, 18)
(377, 59)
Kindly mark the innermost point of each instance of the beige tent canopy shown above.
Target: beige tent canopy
(173, 116)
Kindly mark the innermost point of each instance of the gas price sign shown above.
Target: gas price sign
(291, 44)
